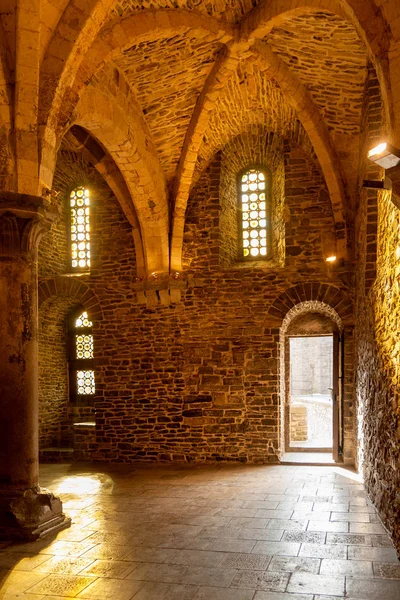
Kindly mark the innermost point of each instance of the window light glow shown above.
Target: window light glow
(85, 382)
(83, 320)
(80, 228)
(83, 343)
(84, 346)
(254, 216)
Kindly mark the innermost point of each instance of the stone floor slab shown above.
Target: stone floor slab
(372, 589)
(335, 551)
(374, 554)
(294, 564)
(204, 576)
(62, 585)
(308, 583)
(246, 561)
(166, 591)
(282, 596)
(117, 589)
(208, 593)
(277, 548)
(259, 580)
(353, 568)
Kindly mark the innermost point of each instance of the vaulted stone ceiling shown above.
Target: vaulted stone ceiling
(168, 73)
(228, 10)
(331, 62)
(201, 73)
(249, 98)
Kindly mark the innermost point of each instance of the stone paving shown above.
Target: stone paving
(209, 533)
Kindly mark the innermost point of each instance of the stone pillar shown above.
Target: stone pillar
(26, 510)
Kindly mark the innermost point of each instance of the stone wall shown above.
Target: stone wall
(199, 380)
(377, 327)
(113, 262)
(54, 427)
(378, 372)
(298, 424)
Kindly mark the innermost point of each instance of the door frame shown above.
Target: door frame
(337, 396)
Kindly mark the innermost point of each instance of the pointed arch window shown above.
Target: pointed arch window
(79, 204)
(254, 213)
(81, 357)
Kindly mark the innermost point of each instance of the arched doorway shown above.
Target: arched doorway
(312, 381)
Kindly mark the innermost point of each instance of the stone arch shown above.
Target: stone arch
(72, 287)
(92, 47)
(311, 306)
(104, 164)
(311, 119)
(60, 298)
(64, 54)
(117, 122)
(313, 291)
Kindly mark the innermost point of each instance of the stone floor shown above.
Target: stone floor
(207, 533)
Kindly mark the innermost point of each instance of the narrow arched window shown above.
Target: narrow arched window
(81, 357)
(254, 213)
(80, 228)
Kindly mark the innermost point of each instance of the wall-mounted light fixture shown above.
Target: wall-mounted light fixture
(388, 157)
(330, 259)
(385, 155)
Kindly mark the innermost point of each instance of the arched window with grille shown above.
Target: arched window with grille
(81, 357)
(79, 205)
(254, 210)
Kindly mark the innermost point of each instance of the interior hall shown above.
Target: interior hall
(200, 299)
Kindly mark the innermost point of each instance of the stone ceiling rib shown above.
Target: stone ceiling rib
(75, 32)
(315, 126)
(222, 69)
(63, 78)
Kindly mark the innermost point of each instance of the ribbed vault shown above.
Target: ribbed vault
(194, 74)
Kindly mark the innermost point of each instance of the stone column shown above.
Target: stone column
(26, 510)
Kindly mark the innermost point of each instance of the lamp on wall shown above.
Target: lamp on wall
(385, 155)
(388, 157)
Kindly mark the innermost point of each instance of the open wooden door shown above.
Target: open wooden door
(337, 399)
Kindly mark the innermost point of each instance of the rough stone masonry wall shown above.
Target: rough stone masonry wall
(377, 327)
(198, 380)
(113, 261)
(54, 428)
(378, 372)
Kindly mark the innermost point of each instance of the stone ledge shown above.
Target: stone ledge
(161, 292)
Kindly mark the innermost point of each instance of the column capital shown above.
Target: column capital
(23, 221)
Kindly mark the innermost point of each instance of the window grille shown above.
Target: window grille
(254, 214)
(80, 228)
